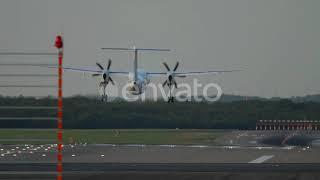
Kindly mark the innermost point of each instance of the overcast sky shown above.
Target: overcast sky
(276, 42)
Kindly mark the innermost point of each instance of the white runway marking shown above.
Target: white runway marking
(198, 146)
(262, 159)
(135, 145)
(168, 145)
(288, 147)
(263, 147)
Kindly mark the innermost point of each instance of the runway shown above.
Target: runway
(41, 168)
(233, 147)
(239, 155)
(159, 154)
(155, 171)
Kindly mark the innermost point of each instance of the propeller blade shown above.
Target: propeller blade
(166, 65)
(109, 64)
(95, 75)
(99, 65)
(176, 67)
(112, 82)
(175, 84)
(164, 83)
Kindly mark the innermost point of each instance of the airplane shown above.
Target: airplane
(138, 79)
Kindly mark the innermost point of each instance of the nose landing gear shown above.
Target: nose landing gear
(104, 96)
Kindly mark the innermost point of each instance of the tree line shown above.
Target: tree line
(89, 113)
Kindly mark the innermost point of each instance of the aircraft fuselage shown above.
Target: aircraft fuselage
(138, 86)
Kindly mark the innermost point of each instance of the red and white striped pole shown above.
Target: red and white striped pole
(59, 46)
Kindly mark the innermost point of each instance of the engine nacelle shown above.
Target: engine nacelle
(170, 77)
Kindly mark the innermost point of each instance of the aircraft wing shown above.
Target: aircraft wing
(191, 73)
(87, 70)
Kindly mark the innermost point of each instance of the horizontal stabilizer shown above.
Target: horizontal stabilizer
(135, 49)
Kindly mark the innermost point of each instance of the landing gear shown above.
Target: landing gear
(170, 98)
(104, 96)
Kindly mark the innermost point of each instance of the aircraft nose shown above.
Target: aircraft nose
(132, 88)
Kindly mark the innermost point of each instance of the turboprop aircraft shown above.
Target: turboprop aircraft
(138, 79)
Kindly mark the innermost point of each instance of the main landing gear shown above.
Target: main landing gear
(171, 97)
(171, 100)
(104, 96)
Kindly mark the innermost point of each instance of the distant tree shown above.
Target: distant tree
(83, 112)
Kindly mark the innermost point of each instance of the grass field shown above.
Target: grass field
(108, 136)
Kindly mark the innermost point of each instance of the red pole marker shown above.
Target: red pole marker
(59, 46)
(59, 42)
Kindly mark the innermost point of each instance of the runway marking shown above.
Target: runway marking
(113, 145)
(263, 147)
(288, 147)
(135, 145)
(198, 146)
(231, 147)
(262, 159)
(168, 145)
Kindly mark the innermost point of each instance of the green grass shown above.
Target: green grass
(108, 136)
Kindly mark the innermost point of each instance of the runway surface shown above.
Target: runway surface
(158, 167)
(155, 171)
(159, 154)
(239, 154)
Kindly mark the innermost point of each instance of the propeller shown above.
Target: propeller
(105, 73)
(171, 75)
